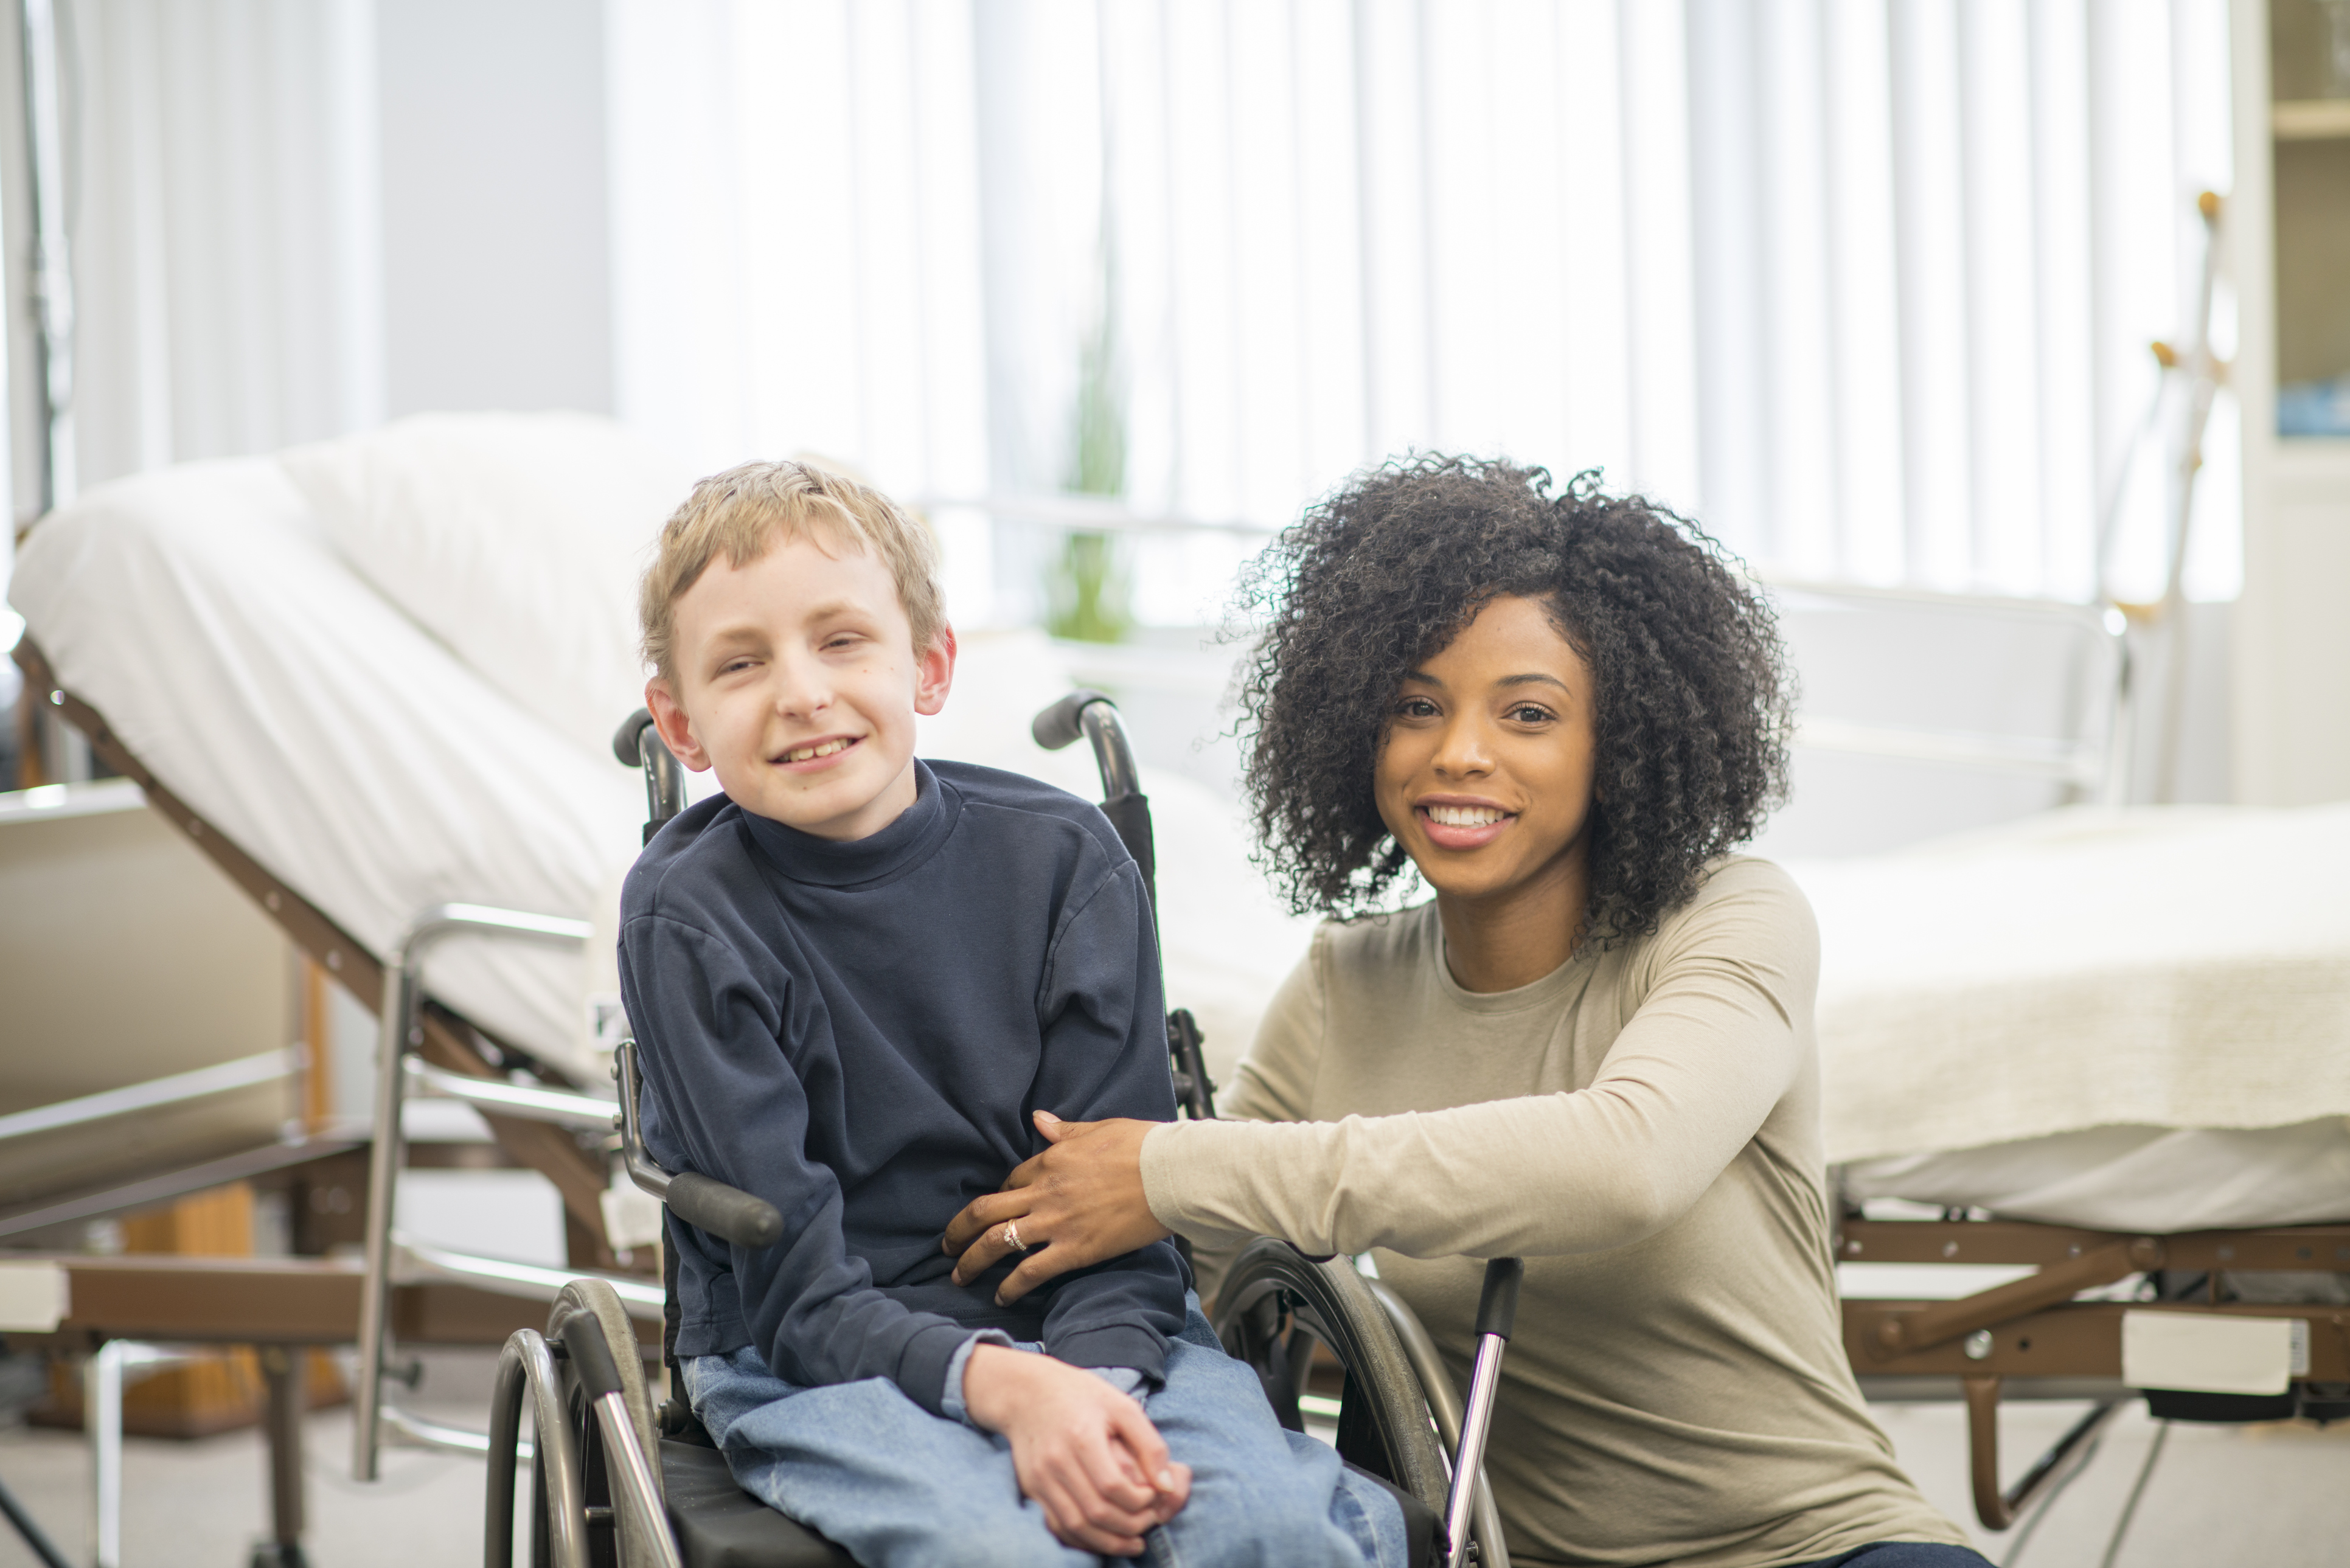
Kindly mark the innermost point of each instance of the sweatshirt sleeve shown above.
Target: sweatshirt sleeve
(1104, 1030)
(711, 1036)
(1716, 1039)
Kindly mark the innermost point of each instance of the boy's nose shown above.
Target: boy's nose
(801, 691)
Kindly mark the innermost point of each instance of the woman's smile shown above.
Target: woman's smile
(1455, 823)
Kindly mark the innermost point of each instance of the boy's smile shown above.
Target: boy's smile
(798, 683)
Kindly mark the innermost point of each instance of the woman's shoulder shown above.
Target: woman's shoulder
(1745, 904)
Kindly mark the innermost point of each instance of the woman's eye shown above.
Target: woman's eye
(1530, 715)
(1416, 707)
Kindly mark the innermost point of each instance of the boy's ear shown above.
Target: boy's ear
(676, 729)
(934, 672)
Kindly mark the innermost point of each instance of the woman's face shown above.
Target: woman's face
(1485, 773)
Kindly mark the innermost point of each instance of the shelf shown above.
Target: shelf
(2311, 119)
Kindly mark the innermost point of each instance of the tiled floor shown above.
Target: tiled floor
(2278, 1497)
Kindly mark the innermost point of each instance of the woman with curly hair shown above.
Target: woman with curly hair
(1593, 1047)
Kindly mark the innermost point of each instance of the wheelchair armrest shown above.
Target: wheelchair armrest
(724, 1211)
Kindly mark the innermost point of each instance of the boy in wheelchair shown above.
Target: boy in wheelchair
(854, 978)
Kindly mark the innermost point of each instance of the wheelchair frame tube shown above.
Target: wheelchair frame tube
(633, 1475)
(402, 1029)
(1444, 1404)
(1497, 1310)
(1468, 1468)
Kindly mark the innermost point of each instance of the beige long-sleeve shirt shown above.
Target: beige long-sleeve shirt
(1643, 1126)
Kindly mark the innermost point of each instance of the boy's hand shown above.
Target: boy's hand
(1078, 1202)
(1084, 1452)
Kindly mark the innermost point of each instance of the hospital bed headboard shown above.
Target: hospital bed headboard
(1962, 709)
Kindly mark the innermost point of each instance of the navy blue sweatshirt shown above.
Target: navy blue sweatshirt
(856, 1032)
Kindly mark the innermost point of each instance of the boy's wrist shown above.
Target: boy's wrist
(953, 1403)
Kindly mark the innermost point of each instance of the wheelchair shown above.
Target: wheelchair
(620, 1481)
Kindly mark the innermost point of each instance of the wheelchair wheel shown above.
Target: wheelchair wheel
(1276, 1304)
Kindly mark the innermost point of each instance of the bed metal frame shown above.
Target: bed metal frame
(2033, 1332)
(405, 1288)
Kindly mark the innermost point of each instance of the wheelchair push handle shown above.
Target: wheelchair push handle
(1497, 1303)
(638, 744)
(1058, 725)
(1497, 1310)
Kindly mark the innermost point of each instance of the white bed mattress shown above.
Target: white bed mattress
(240, 655)
(2138, 1019)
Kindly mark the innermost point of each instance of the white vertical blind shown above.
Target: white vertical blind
(1865, 286)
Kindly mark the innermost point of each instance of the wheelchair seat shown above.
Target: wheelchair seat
(720, 1525)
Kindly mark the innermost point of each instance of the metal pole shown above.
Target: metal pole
(52, 259)
(101, 1418)
(283, 1370)
(1483, 1378)
(634, 1474)
(402, 1031)
(383, 1169)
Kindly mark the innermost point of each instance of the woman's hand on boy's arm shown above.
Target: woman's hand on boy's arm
(1084, 1452)
(1078, 1203)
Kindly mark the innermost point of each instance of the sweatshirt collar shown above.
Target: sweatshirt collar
(906, 843)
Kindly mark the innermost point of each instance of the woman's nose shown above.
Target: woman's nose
(1464, 751)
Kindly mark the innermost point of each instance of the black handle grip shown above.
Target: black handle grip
(1057, 725)
(1497, 1304)
(626, 738)
(583, 1342)
(724, 1211)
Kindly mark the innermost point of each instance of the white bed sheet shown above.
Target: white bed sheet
(2158, 1180)
(2173, 968)
(203, 610)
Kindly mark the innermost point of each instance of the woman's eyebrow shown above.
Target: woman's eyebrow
(1532, 678)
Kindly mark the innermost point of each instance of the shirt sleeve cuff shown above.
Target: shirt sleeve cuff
(1131, 1381)
(951, 1394)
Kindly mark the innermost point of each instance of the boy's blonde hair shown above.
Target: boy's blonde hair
(748, 510)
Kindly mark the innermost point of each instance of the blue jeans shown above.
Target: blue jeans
(898, 1487)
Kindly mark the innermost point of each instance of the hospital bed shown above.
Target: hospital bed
(2084, 1071)
(374, 680)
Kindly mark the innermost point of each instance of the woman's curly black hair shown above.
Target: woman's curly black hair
(1693, 689)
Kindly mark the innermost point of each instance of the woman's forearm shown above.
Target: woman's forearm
(1539, 1175)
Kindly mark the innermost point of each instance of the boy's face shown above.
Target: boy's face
(798, 681)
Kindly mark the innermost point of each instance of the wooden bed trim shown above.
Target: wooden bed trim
(544, 1147)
